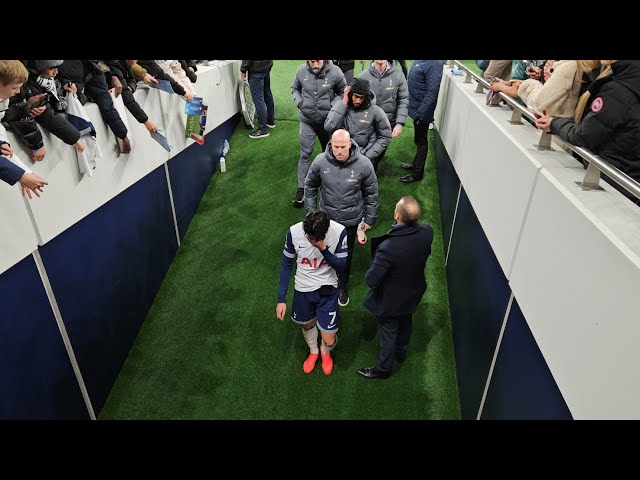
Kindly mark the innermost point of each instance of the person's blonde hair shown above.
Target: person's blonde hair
(12, 71)
(584, 99)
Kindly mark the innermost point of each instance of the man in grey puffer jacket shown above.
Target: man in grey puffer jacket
(349, 193)
(366, 122)
(318, 84)
(389, 86)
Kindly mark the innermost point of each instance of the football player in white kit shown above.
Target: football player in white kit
(320, 246)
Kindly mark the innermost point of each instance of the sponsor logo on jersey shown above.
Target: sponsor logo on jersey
(306, 261)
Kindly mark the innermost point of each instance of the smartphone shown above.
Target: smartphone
(538, 113)
(41, 102)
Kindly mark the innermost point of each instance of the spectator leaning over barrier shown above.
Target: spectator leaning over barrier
(91, 84)
(173, 69)
(610, 126)
(365, 121)
(42, 80)
(153, 69)
(12, 75)
(140, 73)
(318, 85)
(560, 93)
(121, 78)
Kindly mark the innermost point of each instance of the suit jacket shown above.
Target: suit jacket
(396, 276)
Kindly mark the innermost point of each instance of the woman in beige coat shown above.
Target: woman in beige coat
(560, 93)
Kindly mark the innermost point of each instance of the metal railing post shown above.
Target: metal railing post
(516, 117)
(545, 142)
(596, 164)
(591, 180)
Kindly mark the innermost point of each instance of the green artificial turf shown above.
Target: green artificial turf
(471, 64)
(211, 346)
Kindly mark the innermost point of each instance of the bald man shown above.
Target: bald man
(397, 282)
(348, 191)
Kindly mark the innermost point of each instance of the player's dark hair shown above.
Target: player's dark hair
(316, 224)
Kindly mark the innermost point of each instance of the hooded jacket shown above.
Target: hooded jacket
(368, 125)
(315, 93)
(391, 92)
(348, 190)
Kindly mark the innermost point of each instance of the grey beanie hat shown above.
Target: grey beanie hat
(42, 64)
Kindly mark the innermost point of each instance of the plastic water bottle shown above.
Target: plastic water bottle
(223, 164)
(225, 148)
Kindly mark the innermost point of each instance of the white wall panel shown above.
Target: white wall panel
(17, 236)
(498, 178)
(70, 196)
(443, 93)
(576, 279)
(453, 123)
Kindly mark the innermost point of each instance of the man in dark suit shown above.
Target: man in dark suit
(397, 282)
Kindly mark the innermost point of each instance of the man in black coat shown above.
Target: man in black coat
(397, 283)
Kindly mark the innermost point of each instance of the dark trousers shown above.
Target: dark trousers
(260, 84)
(376, 161)
(395, 333)
(343, 278)
(421, 139)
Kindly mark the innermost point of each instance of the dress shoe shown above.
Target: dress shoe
(410, 178)
(371, 372)
(407, 166)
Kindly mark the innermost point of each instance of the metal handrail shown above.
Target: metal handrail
(596, 164)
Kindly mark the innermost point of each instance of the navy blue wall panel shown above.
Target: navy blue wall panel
(105, 272)
(478, 297)
(522, 387)
(448, 186)
(36, 378)
(191, 171)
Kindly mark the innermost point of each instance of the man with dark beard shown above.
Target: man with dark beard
(366, 122)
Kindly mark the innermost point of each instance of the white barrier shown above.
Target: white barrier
(70, 196)
(572, 257)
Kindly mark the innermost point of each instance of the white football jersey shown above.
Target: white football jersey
(313, 271)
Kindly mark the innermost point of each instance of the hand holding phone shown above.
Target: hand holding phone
(538, 113)
(41, 102)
